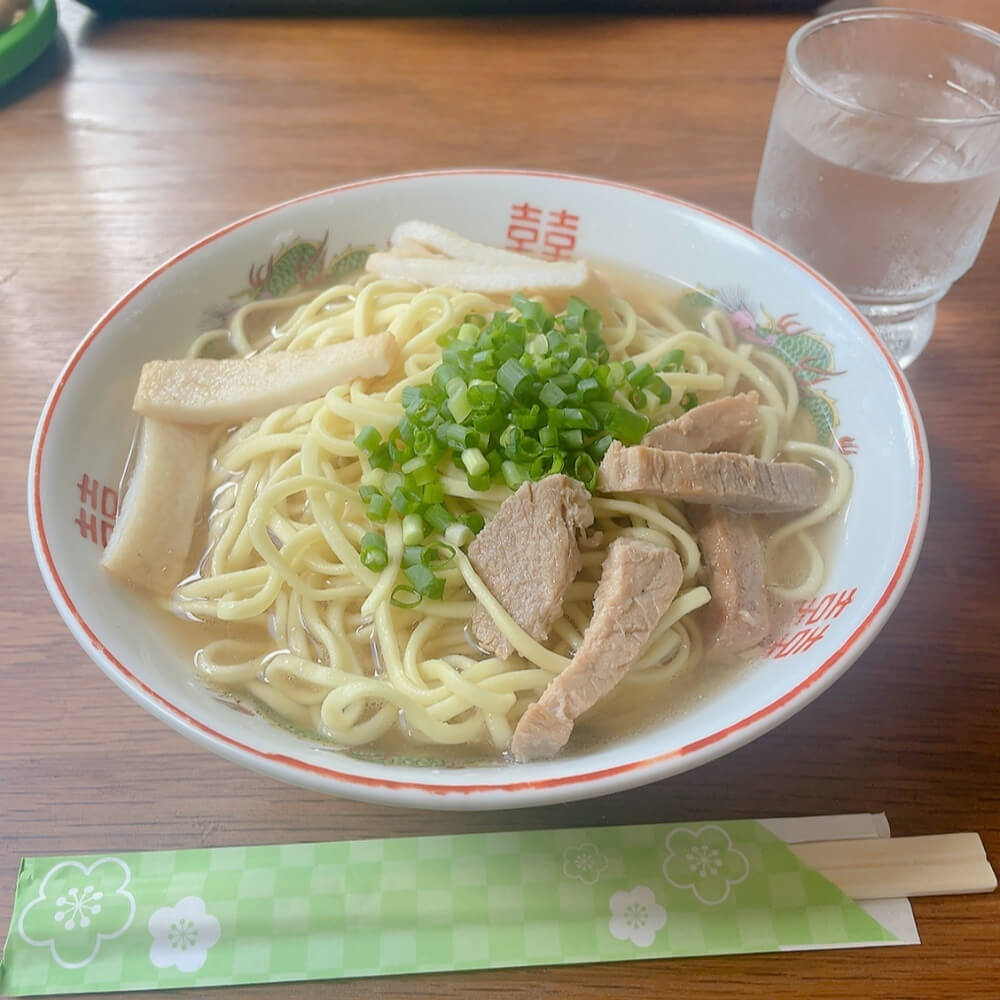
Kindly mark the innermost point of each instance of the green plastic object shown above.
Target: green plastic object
(22, 44)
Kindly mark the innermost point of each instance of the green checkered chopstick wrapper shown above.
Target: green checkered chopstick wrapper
(221, 916)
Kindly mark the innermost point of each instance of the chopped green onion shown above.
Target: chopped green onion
(483, 395)
(551, 394)
(379, 508)
(528, 448)
(425, 446)
(414, 465)
(421, 476)
(533, 311)
(475, 522)
(374, 553)
(689, 401)
(413, 529)
(547, 367)
(571, 439)
(547, 464)
(405, 501)
(368, 439)
(372, 478)
(512, 378)
(627, 426)
(510, 439)
(455, 435)
(380, 458)
(438, 517)
(433, 493)
(584, 419)
(516, 397)
(399, 451)
(474, 462)
(660, 389)
(672, 361)
(600, 446)
(585, 469)
(443, 374)
(514, 474)
(412, 555)
(458, 534)
(459, 404)
(440, 554)
(527, 419)
(424, 581)
(404, 597)
(538, 344)
(641, 377)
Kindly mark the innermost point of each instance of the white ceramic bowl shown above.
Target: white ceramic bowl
(86, 428)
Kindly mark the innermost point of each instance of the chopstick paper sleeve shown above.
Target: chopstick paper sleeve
(221, 916)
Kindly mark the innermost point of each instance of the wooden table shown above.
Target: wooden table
(132, 139)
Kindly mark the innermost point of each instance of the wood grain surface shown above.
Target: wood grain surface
(131, 139)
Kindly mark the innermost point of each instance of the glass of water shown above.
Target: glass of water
(882, 162)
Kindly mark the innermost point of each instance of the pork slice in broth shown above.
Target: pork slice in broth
(739, 615)
(639, 580)
(528, 555)
(717, 426)
(732, 480)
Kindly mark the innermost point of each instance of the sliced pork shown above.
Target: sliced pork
(717, 426)
(528, 554)
(739, 615)
(203, 391)
(639, 580)
(738, 481)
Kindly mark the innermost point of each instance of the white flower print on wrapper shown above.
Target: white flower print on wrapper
(636, 916)
(77, 908)
(584, 862)
(704, 861)
(182, 935)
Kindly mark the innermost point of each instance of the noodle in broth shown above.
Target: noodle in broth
(307, 630)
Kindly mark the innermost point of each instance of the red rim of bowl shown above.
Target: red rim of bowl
(601, 781)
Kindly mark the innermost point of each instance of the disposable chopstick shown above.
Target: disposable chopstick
(890, 867)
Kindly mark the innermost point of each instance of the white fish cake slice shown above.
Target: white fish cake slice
(205, 391)
(526, 274)
(149, 545)
(444, 241)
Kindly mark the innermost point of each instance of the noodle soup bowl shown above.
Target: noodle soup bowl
(849, 386)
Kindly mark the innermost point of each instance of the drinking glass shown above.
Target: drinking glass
(882, 162)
